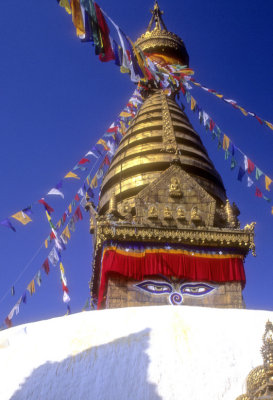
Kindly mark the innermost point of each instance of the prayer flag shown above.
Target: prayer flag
(70, 208)
(225, 142)
(77, 17)
(53, 257)
(272, 210)
(90, 153)
(240, 174)
(38, 278)
(45, 266)
(24, 298)
(56, 192)
(83, 161)
(269, 125)
(47, 206)
(233, 163)
(8, 322)
(78, 214)
(258, 173)
(245, 162)
(77, 198)
(12, 291)
(22, 217)
(193, 103)
(267, 182)
(66, 234)
(46, 243)
(107, 53)
(249, 182)
(94, 182)
(6, 222)
(250, 166)
(71, 225)
(65, 4)
(243, 111)
(90, 193)
(103, 143)
(68, 310)
(267, 199)
(31, 287)
(81, 192)
(258, 193)
(66, 298)
(71, 175)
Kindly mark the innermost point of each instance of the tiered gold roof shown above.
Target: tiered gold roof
(160, 135)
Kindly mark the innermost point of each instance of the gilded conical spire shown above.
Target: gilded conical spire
(156, 19)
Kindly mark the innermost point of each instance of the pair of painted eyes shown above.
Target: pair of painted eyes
(194, 289)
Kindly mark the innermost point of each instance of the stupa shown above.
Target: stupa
(165, 231)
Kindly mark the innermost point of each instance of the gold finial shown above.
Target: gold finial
(156, 19)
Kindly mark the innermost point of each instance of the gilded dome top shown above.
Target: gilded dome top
(157, 39)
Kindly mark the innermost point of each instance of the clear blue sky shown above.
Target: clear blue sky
(57, 99)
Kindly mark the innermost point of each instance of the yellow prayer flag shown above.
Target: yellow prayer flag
(48, 216)
(70, 208)
(31, 287)
(87, 180)
(58, 224)
(122, 128)
(243, 111)
(124, 70)
(272, 210)
(77, 17)
(269, 125)
(66, 232)
(94, 182)
(61, 267)
(22, 217)
(46, 244)
(193, 103)
(103, 143)
(125, 114)
(71, 175)
(225, 142)
(267, 182)
(65, 4)
(219, 95)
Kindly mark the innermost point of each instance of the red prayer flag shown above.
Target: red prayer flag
(259, 119)
(107, 53)
(47, 206)
(8, 322)
(52, 235)
(106, 160)
(77, 198)
(65, 288)
(45, 266)
(113, 129)
(258, 193)
(83, 161)
(78, 214)
(250, 166)
(64, 217)
(211, 124)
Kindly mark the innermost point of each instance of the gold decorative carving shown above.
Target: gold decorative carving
(169, 139)
(180, 213)
(152, 212)
(167, 213)
(260, 379)
(174, 188)
(250, 227)
(195, 215)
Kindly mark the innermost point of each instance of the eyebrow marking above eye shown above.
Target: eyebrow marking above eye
(155, 287)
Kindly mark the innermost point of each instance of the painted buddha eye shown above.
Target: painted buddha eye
(155, 287)
(196, 289)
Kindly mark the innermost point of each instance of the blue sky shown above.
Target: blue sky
(57, 99)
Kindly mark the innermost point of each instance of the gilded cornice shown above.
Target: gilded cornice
(236, 238)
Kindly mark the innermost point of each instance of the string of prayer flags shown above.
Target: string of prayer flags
(103, 143)
(66, 297)
(233, 103)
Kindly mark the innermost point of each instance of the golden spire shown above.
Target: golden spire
(156, 19)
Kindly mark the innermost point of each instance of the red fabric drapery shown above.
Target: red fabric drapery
(226, 268)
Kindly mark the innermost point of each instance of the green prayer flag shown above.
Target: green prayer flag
(267, 199)
(233, 163)
(227, 154)
(258, 173)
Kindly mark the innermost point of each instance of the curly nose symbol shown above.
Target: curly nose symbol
(176, 298)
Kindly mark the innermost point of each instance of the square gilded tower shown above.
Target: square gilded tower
(165, 232)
